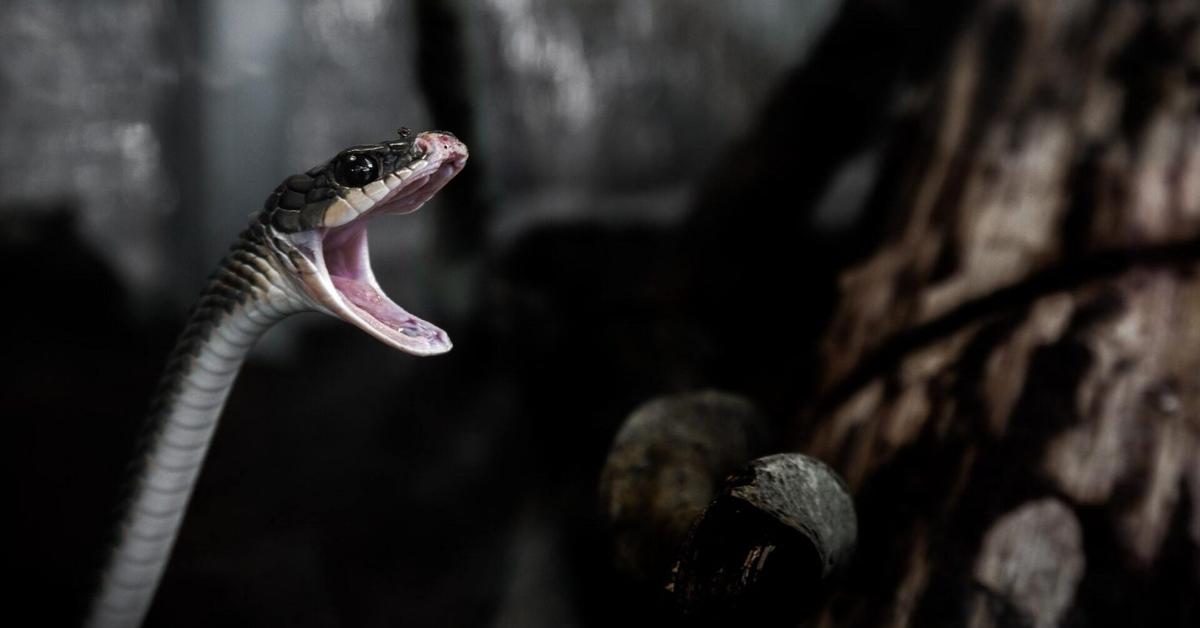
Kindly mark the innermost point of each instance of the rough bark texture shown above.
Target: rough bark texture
(1010, 380)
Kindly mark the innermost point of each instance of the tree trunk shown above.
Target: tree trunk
(1010, 379)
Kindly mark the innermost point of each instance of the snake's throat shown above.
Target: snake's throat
(348, 282)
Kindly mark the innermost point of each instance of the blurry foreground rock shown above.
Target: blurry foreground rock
(734, 541)
(768, 549)
(665, 466)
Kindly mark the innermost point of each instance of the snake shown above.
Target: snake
(305, 250)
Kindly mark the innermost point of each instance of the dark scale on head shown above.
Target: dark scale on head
(299, 183)
(291, 199)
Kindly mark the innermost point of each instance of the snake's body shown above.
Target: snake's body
(305, 251)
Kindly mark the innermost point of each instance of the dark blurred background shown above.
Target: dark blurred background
(349, 484)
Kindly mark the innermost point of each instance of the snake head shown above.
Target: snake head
(317, 226)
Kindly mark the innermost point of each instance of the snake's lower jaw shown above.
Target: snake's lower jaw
(341, 281)
(367, 308)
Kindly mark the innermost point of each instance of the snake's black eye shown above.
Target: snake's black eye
(356, 170)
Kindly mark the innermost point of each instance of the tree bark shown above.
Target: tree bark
(1010, 380)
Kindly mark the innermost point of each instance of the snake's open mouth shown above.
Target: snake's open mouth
(342, 259)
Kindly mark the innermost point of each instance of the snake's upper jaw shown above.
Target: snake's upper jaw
(341, 280)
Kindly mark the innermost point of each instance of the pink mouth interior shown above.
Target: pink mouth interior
(347, 261)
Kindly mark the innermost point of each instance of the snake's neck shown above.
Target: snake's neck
(244, 298)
